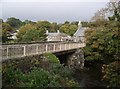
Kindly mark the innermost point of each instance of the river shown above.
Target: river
(90, 76)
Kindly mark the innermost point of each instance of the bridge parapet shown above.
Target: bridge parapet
(22, 50)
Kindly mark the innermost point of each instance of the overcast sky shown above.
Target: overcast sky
(53, 11)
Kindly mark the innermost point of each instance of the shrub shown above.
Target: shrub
(55, 75)
(51, 57)
(61, 70)
(37, 78)
(11, 77)
(112, 74)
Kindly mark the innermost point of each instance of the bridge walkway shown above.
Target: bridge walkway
(22, 50)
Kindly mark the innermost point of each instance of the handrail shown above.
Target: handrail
(18, 43)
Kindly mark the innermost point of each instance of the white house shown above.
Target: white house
(13, 35)
(57, 36)
(77, 37)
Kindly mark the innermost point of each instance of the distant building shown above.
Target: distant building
(13, 35)
(77, 37)
(79, 34)
(57, 36)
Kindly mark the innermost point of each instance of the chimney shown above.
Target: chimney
(58, 31)
(79, 25)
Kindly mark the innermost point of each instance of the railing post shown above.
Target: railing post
(24, 52)
(1, 54)
(69, 46)
(79, 45)
(46, 47)
(37, 49)
(76, 45)
(73, 45)
(54, 47)
(65, 46)
(7, 51)
(60, 47)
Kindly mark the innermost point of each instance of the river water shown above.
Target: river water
(90, 76)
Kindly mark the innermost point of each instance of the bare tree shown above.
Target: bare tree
(112, 8)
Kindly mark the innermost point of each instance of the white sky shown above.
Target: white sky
(54, 0)
(54, 10)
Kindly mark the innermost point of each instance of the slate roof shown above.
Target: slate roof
(57, 34)
(80, 32)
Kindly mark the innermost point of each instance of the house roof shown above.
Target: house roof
(80, 31)
(57, 34)
(52, 34)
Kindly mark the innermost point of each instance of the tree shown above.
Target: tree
(43, 25)
(103, 44)
(72, 29)
(74, 23)
(22, 31)
(28, 22)
(33, 35)
(112, 74)
(99, 18)
(32, 32)
(14, 22)
(67, 22)
(68, 29)
(65, 28)
(85, 24)
(6, 32)
(114, 10)
(54, 27)
(99, 15)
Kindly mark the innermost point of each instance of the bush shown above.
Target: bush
(51, 57)
(44, 73)
(60, 70)
(37, 78)
(11, 77)
(112, 74)
(103, 44)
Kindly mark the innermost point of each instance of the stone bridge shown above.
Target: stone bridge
(11, 51)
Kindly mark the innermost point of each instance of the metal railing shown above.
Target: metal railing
(22, 50)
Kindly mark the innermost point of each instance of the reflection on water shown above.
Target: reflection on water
(90, 76)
